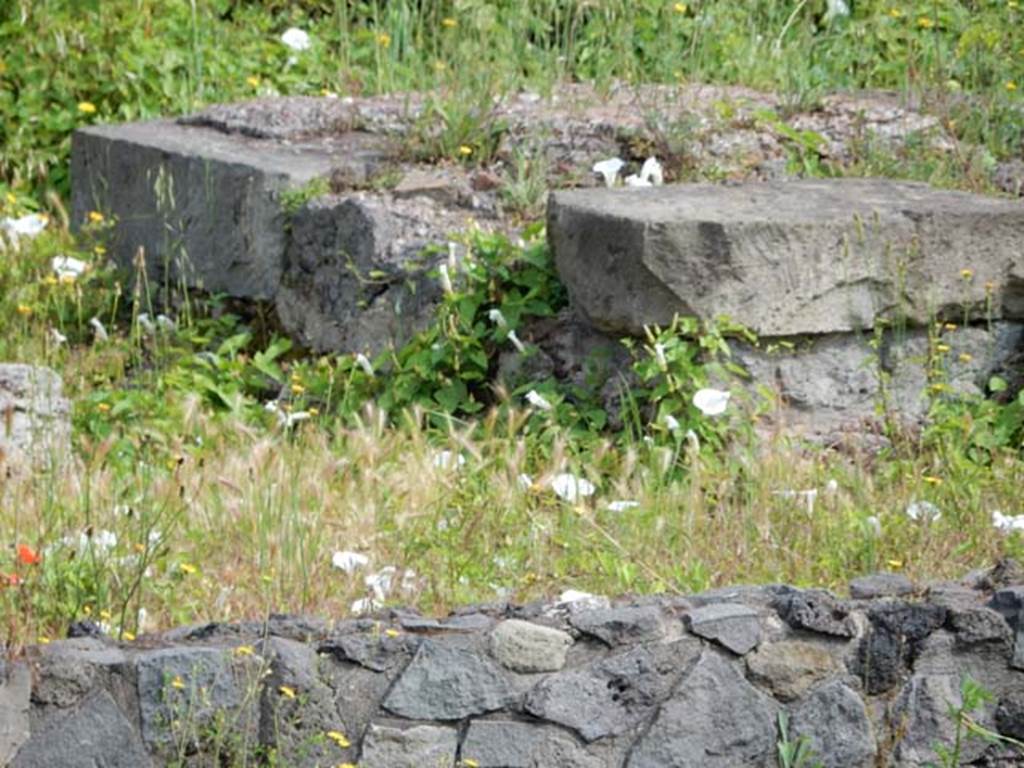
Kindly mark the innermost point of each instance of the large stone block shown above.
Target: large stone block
(788, 258)
(35, 420)
(204, 204)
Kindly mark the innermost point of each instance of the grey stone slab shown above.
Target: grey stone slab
(69, 669)
(732, 625)
(613, 695)
(445, 683)
(15, 690)
(36, 426)
(627, 624)
(96, 734)
(789, 668)
(921, 714)
(880, 585)
(835, 723)
(209, 688)
(715, 719)
(418, 746)
(205, 206)
(816, 611)
(523, 646)
(786, 258)
(519, 744)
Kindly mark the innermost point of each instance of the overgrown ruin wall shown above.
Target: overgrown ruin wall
(654, 682)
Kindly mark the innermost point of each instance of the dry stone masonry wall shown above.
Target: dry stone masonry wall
(656, 682)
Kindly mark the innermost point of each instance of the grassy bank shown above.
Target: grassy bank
(186, 498)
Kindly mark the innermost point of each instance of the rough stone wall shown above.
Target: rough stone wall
(654, 682)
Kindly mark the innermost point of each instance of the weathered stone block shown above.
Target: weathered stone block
(15, 690)
(527, 647)
(732, 625)
(35, 424)
(419, 746)
(715, 719)
(792, 258)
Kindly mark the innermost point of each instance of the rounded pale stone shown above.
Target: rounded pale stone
(526, 647)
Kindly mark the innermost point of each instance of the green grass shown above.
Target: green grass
(220, 512)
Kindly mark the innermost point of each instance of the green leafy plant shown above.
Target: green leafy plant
(794, 753)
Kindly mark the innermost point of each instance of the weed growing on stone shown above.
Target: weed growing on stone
(794, 753)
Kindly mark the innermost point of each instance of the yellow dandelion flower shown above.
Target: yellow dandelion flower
(11, 199)
(95, 217)
(67, 279)
(966, 273)
(103, 407)
(128, 636)
(392, 632)
(49, 280)
(43, 640)
(896, 13)
(99, 250)
(440, 66)
(287, 691)
(680, 7)
(86, 107)
(949, 327)
(297, 389)
(383, 39)
(188, 569)
(942, 348)
(253, 81)
(449, 23)
(966, 357)
(314, 411)
(925, 23)
(990, 286)
(932, 480)
(1011, 85)
(897, 564)
(105, 615)
(339, 738)
(24, 309)
(177, 683)
(469, 762)
(244, 650)
(465, 150)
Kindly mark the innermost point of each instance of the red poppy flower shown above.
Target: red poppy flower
(27, 555)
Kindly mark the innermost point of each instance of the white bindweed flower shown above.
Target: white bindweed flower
(448, 460)
(622, 506)
(520, 347)
(836, 9)
(693, 440)
(609, 170)
(671, 422)
(575, 599)
(286, 419)
(296, 39)
(831, 487)
(923, 510)
(1007, 523)
(98, 329)
(538, 401)
(446, 280)
(652, 172)
(349, 562)
(26, 226)
(58, 337)
(68, 268)
(381, 582)
(571, 488)
(637, 181)
(711, 402)
(659, 355)
(496, 317)
(809, 496)
(165, 323)
(366, 605)
(364, 362)
(146, 324)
